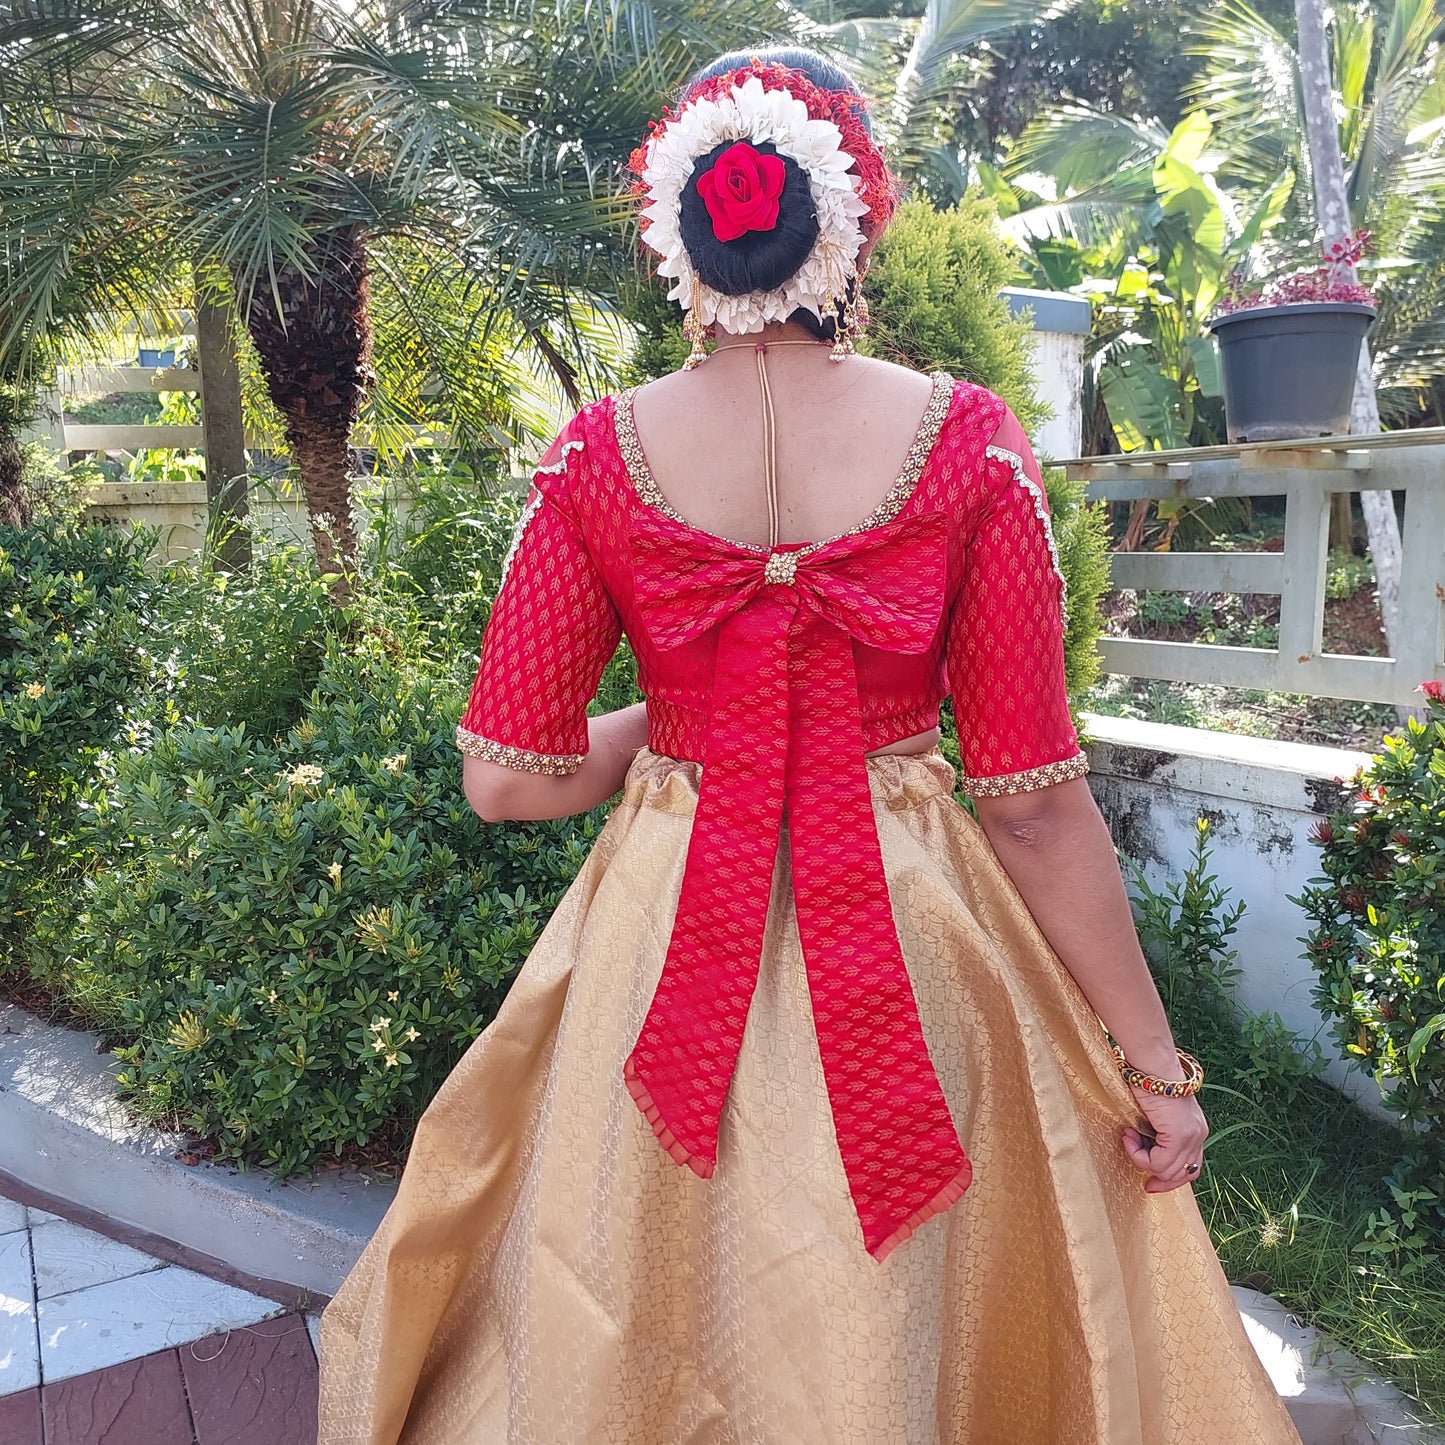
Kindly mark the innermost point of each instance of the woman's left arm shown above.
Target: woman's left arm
(1025, 771)
(1055, 846)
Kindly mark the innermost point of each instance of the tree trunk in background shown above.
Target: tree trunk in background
(1332, 207)
(14, 503)
(225, 435)
(316, 352)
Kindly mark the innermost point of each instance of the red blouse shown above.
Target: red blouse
(778, 669)
(567, 595)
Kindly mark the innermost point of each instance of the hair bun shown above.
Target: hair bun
(757, 260)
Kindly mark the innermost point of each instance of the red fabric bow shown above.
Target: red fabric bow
(786, 729)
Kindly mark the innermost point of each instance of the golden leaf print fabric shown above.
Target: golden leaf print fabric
(548, 1276)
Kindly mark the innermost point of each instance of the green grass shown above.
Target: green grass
(1294, 1189)
(1290, 1193)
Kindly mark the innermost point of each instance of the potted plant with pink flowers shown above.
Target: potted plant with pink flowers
(1289, 351)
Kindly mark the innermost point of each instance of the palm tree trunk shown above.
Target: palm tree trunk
(315, 349)
(1332, 207)
(322, 454)
(15, 510)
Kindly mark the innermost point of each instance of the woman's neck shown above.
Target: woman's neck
(775, 332)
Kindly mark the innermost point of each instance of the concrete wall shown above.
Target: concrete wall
(1061, 327)
(179, 510)
(1262, 798)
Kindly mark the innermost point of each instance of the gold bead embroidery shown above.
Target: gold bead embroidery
(474, 745)
(781, 568)
(1006, 783)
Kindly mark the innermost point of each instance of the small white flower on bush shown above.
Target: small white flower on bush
(304, 775)
(34, 690)
(395, 763)
(334, 874)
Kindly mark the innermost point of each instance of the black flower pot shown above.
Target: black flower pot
(1289, 371)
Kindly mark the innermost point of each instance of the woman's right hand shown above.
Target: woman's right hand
(1179, 1129)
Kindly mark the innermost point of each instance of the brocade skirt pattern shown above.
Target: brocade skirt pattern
(548, 1276)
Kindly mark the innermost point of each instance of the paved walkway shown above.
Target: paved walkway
(102, 1344)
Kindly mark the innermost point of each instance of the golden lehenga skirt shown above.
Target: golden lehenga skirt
(548, 1276)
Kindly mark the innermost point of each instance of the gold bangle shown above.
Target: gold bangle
(1191, 1083)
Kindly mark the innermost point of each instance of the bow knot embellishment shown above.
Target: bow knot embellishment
(786, 730)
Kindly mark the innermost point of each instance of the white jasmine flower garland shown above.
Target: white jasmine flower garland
(748, 112)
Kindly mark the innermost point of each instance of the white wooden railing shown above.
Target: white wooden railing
(1306, 473)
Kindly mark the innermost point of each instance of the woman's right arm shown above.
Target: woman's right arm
(529, 748)
(499, 794)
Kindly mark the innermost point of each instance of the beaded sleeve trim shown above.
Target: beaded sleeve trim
(534, 502)
(1041, 511)
(474, 745)
(1026, 781)
(919, 451)
(555, 469)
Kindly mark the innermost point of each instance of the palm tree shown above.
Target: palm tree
(277, 149)
(1379, 166)
(946, 68)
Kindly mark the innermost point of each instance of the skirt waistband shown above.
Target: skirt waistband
(897, 780)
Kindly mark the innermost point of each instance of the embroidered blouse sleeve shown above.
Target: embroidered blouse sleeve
(1006, 636)
(552, 630)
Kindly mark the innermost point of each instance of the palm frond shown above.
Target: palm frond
(1250, 88)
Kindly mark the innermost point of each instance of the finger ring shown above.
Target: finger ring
(1193, 1169)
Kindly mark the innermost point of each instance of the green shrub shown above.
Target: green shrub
(1345, 574)
(58, 495)
(239, 648)
(1378, 940)
(933, 297)
(441, 560)
(299, 939)
(1081, 533)
(70, 664)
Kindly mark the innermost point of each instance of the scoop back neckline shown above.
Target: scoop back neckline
(905, 484)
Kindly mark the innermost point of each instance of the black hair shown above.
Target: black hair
(756, 260)
(763, 260)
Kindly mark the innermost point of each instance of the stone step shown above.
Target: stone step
(1332, 1397)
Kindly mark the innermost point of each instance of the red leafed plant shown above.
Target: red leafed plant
(1332, 280)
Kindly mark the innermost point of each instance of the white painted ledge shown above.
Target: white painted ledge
(64, 1135)
(1265, 771)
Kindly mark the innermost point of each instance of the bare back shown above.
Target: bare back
(843, 431)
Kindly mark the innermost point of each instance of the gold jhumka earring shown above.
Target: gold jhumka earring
(695, 331)
(851, 316)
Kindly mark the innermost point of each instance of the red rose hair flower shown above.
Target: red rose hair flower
(741, 191)
(876, 183)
